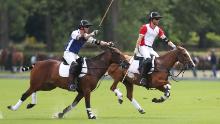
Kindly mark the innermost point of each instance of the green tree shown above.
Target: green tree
(199, 16)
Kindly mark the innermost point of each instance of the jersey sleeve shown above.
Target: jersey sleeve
(74, 34)
(143, 30)
(161, 34)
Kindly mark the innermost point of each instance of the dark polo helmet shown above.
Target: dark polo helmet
(84, 23)
(153, 15)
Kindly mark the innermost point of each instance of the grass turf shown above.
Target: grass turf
(191, 102)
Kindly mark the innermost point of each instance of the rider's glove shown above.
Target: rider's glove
(111, 44)
(174, 47)
(135, 50)
(95, 32)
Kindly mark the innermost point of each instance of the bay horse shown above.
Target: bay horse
(45, 77)
(158, 79)
(17, 60)
(3, 58)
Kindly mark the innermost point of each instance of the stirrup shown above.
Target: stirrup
(143, 81)
(72, 87)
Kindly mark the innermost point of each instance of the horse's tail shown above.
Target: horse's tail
(27, 68)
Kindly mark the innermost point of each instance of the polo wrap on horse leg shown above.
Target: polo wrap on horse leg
(146, 66)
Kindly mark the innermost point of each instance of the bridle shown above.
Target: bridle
(182, 70)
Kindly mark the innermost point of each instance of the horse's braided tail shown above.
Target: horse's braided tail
(27, 68)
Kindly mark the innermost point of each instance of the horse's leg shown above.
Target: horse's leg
(129, 88)
(117, 91)
(20, 101)
(166, 89)
(33, 102)
(70, 107)
(90, 114)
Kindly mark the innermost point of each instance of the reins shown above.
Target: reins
(99, 83)
(173, 76)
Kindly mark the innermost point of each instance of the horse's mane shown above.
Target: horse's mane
(97, 56)
(166, 54)
(171, 51)
(105, 49)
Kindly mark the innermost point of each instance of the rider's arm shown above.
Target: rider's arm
(87, 36)
(93, 41)
(170, 43)
(99, 42)
(142, 32)
(165, 39)
(140, 37)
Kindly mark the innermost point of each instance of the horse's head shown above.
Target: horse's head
(118, 57)
(184, 57)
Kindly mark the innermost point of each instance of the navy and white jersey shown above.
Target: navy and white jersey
(75, 45)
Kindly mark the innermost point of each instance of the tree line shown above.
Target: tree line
(189, 22)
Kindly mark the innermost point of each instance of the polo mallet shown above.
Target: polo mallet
(105, 13)
(128, 67)
(126, 73)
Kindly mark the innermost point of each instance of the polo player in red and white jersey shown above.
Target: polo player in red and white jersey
(147, 34)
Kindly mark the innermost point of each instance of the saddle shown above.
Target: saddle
(136, 65)
(64, 67)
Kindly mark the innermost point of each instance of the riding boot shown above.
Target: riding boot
(146, 66)
(72, 84)
(73, 73)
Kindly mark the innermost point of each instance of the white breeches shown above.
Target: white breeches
(70, 57)
(146, 52)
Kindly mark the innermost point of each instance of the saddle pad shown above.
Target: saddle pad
(64, 69)
(134, 65)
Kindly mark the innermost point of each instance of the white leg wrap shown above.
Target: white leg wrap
(89, 109)
(164, 97)
(118, 93)
(136, 104)
(34, 98)
(17, 105)
(167, 86)
(90, 112)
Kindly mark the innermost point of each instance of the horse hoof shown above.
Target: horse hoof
(10, 108)
(141, 111)
(120, 101)
(93, 117)
(57, 115)
(60, 115)
(155, 100)
(30, 105)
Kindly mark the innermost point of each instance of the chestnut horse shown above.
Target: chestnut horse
(45, 77)
(158, 79)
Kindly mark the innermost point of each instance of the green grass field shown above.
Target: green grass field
(191, 102)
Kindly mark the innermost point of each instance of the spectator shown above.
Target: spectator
(33, 59)
(196, 61)
(213, 62)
